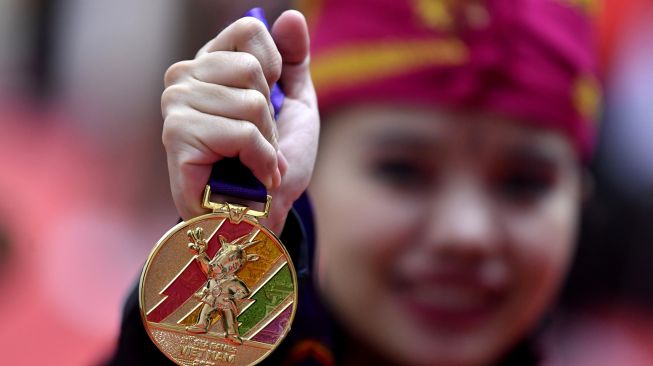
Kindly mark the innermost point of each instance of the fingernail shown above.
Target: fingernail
(277, 178)
(275, 140)
(283, 163)
(269, 180)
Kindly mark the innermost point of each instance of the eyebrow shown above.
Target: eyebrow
(533, 153)
(398, 138)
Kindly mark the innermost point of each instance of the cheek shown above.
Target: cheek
(544, 239)
(357, 218)
(542, 245)
(360, 227)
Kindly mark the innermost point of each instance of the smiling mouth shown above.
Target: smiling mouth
(446, 304)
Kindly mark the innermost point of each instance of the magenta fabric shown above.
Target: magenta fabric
(526, 62)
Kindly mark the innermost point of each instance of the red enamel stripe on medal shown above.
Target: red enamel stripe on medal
(192, 278)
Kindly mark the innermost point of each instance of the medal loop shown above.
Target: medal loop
(236, 212)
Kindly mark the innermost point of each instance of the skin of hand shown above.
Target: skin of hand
(218, 105)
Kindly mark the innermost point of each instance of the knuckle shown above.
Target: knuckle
(172, 95)
(270, 161)
(251, 68)
(208, 60)
(171, 131)
(166, 140)
(174, 127)
(275, 65)
(251, 133)
(249, 27)
(256, 103)
(176, 72)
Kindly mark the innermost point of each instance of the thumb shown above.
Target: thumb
(290, 34)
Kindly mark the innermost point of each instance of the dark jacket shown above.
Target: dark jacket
(314, 339)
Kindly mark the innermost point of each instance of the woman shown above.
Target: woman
(449, 173)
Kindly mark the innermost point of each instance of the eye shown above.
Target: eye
(402, 173)
(525, 184)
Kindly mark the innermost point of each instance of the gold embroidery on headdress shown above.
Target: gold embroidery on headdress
(449, 15)
(357, 63)
(435, 14)
(589, 7)
(587, 97)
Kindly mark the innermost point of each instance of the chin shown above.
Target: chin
(456, 351)
(467, 342)
(466, 352)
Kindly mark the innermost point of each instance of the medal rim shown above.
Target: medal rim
(224, 215)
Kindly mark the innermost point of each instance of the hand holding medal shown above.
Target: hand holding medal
(220, 288)
(213, 108)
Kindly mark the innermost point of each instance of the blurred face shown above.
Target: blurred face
(441, 236)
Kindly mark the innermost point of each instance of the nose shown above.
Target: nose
(463, 225)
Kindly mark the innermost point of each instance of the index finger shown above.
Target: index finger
(249, 35)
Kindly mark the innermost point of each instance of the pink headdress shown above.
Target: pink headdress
(531, 60)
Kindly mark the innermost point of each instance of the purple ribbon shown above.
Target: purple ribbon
(229, 177)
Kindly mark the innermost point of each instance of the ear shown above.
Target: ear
(252, 257)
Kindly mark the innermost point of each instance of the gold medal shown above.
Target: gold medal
(218, 289)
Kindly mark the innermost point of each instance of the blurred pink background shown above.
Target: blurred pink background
(84, 188)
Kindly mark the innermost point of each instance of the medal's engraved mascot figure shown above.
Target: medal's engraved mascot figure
(223, 291)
